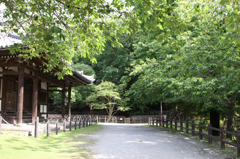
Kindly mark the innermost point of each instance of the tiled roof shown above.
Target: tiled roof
(9, 39)
(89, 78)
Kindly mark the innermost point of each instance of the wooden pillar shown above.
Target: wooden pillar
(69, 102)
(4, 88)
(36, 127)
(20, 94)
(63, 101)
(34, 99)
(47, 100)
(161, 113)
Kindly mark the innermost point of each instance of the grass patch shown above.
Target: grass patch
(64, 145)
(20, 133)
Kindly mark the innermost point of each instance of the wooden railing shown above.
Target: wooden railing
(203, 131)
(72, 124)
(61, 126)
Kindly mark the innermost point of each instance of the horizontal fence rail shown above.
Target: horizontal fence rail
(75, 124)
(56, 126)
(203, 131)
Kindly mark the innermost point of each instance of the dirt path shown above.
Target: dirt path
(125, 141)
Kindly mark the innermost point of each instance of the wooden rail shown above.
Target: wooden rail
(78, 123)
(203, 131)
(81, 122)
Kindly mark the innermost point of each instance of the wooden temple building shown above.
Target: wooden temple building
(24, 86)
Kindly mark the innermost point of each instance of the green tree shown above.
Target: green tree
(106, 96)
(114, 61)
(196, 69)
(58, 30)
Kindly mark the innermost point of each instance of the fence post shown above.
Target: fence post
(193, 128)
(171, 123)
(186, 126)
(36, 127)
(64, 125)
(163, 120)
(75, 124)
(176, 124)
(181, 125)
(166, 123)
(200, 131)
(83, 122)
(70, 125)
(87, 122)
(97, 119)
(238, 143)
(57, 127)
(209, 133)
(0, 125)
(80, 120)
(48, 128)
(222, 138)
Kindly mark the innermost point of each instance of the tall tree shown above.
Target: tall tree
(57, 30)
(114, 61)
(107, 97)
(199, 66)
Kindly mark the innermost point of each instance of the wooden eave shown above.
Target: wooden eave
(35, 65)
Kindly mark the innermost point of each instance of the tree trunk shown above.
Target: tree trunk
(110, 114)
(214, 120)
(230, 119)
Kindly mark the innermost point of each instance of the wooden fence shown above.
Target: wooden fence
(203, 131)
(127, 120)
(72, 124)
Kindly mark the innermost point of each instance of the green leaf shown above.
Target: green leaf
(15, 30)
(160, 26)
(48, 37)
(35, 17)
(12, 51)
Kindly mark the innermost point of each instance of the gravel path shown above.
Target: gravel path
(135, 141)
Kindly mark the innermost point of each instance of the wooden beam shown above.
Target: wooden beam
(9, 73)
(34, 99)
(4, 88)
(56, 90)
(51, 80)
(69, 102)
(20, 94)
